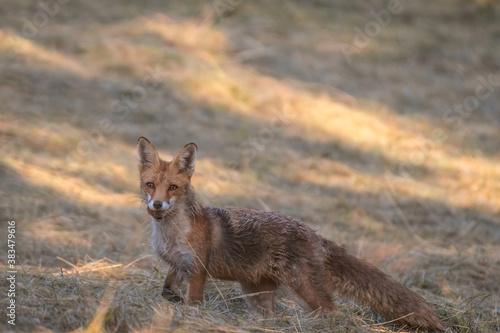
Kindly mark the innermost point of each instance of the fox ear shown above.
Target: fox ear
(186, 158)
(147, 156)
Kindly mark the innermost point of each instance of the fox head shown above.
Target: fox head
(165, 186)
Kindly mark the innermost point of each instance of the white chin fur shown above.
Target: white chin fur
(164, 205)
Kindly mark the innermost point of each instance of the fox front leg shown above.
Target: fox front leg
(172, 283)
(195, 288)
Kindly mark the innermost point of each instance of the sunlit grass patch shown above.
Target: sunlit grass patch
(36, 55)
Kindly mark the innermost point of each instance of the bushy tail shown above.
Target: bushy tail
(356, 279)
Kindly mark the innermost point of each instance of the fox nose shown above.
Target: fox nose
(157, 204)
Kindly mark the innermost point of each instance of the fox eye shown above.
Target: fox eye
(150, 185)
(172, 187)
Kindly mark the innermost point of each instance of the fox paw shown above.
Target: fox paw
(170, 296)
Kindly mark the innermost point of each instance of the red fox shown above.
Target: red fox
(261, 250)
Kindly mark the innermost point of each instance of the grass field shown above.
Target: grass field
(377, 125)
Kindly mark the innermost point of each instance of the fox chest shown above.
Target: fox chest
(173, 249)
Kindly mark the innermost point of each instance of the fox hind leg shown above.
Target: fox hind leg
(314, 295)
(260, 295)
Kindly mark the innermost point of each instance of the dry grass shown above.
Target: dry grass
(361, 151)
